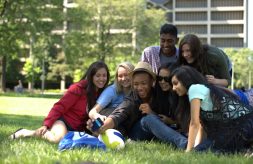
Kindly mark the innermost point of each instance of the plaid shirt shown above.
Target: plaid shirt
(151, 55)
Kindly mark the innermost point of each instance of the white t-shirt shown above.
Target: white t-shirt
(201, 92)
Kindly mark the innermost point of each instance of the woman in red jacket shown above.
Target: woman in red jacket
(70, 113)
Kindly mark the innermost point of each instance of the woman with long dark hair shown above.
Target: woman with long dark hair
(70, 113)
(214, 111)
(211, 61)
(166, 99)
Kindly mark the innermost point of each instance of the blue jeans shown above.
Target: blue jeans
(204, 145)
(207, 144)
(151, 126)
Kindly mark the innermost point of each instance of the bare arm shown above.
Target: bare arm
(194, 124)
(108, 124)
(200, 136)
(94, 113)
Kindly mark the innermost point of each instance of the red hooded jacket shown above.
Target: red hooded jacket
(71, 107)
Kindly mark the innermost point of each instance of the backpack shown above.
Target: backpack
(75, 139)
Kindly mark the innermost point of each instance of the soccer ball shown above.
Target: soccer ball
(112, 139)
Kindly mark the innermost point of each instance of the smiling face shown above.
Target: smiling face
(167, 44)
(100, 78)
(142, 84)
(187, 54)
(123, 77)
(178, 87)
(163, 77)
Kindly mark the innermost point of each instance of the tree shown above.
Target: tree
(40, 59)
(149, 24)
(8, 44)
(30, 70)
(110, 30)
(107, 30)
(241, 59)
(22, 21)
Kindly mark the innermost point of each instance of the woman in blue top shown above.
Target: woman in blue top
(219, 120)
(114, 94)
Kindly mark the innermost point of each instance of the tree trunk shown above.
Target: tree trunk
(3, 73)
(63, 84)
(29, 86)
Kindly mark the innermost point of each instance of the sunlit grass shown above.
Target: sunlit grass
(29, 113)
(26, 105)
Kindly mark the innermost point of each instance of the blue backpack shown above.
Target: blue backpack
(74, 139)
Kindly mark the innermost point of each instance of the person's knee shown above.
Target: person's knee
(57, 132)
(148, 119)
(53, 139)
(57, 139)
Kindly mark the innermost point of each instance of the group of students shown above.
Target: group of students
(177, 96)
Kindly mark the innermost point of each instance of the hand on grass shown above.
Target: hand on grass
(41, 131)
(187, 150)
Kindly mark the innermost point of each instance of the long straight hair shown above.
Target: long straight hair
(187, 76)
(90, 87)
(167, 100)
(198, 51)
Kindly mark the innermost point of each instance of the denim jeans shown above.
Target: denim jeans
(151, 126)
(204, 145)
(208, 144)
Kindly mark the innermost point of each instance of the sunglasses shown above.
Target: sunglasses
(166, 78)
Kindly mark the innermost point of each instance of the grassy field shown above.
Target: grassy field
(16, 112)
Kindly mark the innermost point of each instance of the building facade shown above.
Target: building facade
(223, 23)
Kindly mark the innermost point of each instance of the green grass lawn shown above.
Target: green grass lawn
(16, 112)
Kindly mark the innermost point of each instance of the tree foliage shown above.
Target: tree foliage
(22, 21)
(242, 60)
(30, 71)
(109, 30)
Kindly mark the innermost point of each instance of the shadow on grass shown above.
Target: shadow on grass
(10, 123)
